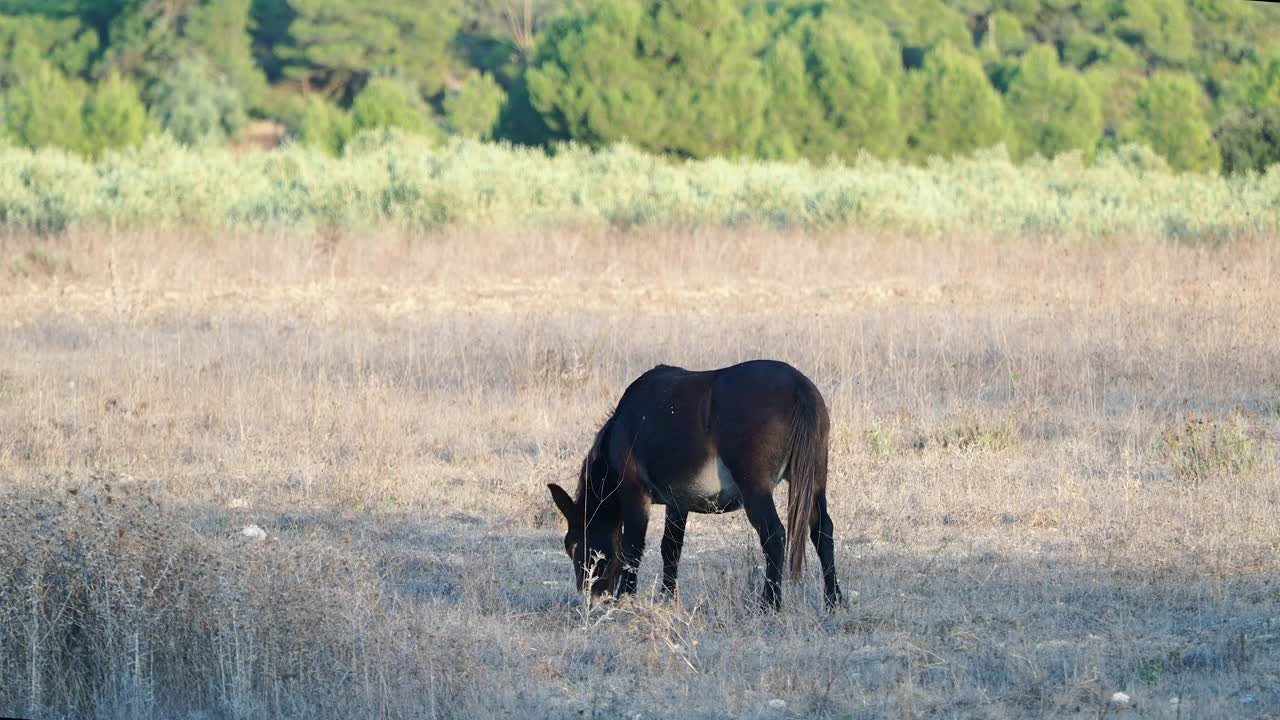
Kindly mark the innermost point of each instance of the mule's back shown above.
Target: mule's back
(694, 437)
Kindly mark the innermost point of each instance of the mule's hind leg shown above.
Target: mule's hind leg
(763, 514)
(821, 533)
(672, 543)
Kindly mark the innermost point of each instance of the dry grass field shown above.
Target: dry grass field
(1056, 475)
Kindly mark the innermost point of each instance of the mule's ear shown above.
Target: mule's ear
(563, 501)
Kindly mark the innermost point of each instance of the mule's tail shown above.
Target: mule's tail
(807, 475)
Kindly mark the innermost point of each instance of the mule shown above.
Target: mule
(704, 442)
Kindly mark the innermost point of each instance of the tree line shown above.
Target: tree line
(1198, 81)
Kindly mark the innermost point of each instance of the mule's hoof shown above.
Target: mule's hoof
(770, 604)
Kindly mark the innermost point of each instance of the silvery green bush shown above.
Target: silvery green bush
(390, 178)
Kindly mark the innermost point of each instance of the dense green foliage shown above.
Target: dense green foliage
(337, 45)
(671, 76)
(148, 38)
(1196, 80)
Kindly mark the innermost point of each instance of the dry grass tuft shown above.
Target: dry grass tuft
(1204, 448)
(972, 433)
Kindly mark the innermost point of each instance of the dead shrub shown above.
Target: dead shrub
(111, 604)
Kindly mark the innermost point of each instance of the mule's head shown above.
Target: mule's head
(590, 544)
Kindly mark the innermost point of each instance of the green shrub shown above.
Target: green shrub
(195, 106)
(324, 125)
(473, 110)
(1249, 139)
(114, 116)
(389, 177)
(45, 191)
(1132, 157)
(46, 109)
(389, 103)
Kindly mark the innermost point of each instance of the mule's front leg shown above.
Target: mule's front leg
(773, 539)
(672, 543)
(635, 522)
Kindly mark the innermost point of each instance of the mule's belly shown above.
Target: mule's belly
(710, 489)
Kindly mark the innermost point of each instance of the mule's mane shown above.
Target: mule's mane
(598, 446)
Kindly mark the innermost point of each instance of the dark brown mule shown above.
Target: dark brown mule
(705, 442)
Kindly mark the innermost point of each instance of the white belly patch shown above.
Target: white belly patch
(711, 489)
(716, 482)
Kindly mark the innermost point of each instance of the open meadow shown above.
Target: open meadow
(1054, 473)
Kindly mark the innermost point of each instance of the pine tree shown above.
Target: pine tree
(114, 116)
(324, 125)
(473, 110)
(28, 41)
(1007, 33)
(149, 38)
(46, 109)
(1159, 29)
(336, 45)
(1253, 85)
(830, 94)
(195, 106)
(955, 108)
(1169, 116)
(1249, 139)
(1051, 109)
(1117, 91)
(387, 102)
